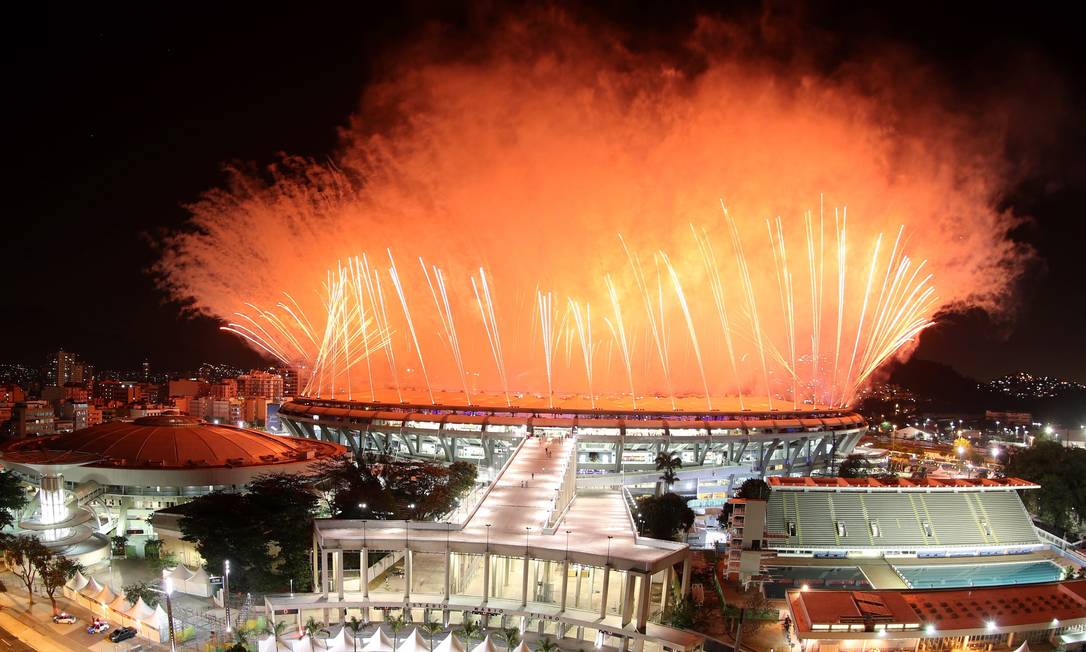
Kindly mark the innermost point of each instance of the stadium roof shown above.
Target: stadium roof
(950, 612)
(781, 483)
(166, 442)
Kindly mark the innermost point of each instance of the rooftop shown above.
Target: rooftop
(781, 483)
(166, 442)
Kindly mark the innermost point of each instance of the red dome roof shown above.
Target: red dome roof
(169, 442)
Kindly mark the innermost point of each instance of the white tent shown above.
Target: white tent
(120, 605)
(379, 642)
(179, 573)
(413, 642)
(197, 583)
(140, 610)
(91, 588)
(267, 645)
(485, 646)
(341, 642)
(304, 644)
(75, 585)
(155, 626)
(105, 596)
(1024, 647)
(450, 644)
(523, 647)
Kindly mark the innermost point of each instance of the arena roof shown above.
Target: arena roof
(950, 612)
(166, 442)
(781, 483)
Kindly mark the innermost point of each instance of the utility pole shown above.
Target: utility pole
(226, 592)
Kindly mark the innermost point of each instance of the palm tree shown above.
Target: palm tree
(470, 629)
(276, 629)
(355, 626)
(313, 627)
(668, 462)
(396, 625)
(432, 629)
(546, 645)
(511, 636)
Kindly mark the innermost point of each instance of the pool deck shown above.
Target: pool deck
(880, 572)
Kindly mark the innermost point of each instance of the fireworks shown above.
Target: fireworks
(887, 321)
(563, 203)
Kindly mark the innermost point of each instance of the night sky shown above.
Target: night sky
(122, 119)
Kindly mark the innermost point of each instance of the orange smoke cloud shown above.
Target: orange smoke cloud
(531, 161)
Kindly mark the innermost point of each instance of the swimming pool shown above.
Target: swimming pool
(939, 577)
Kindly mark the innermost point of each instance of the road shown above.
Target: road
(8, 643)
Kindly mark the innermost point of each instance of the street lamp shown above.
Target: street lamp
(226, 592)
(169, 611)
(567, 544)
(488, 537)
(527, 531)
(609, 537)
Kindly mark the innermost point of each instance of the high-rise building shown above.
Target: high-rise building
(77, 412)
(290, 381)
(228, 388)
(260, 384)
(116, 390)
(34, 418)
(61, 368)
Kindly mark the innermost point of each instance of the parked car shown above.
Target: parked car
(64, 618)
(123, 634)
(97, 626)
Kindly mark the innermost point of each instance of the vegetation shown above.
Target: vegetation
(355, 627)
(145, 590)
(12, 498)
(511, 636)
(682, 614)
(55, 572)
(265, 533)
(668, 462)
(1061, 472)
(546, 645)
(470, 629)
(854, 466)
(381, 487)
(25, 555)
(753, 489)
(665, 516)
(396, 625)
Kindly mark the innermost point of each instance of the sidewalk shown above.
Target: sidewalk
(36, 628)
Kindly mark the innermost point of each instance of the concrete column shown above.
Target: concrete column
(486, 576)
(685, 589)
(448, 573)
(565, 585)
(313, 559)
(407, 558)
(364, 570)
(643, 603)
(339, 573)
(665, 594)
(603, 593)
(628, 599)
(324, 574)
(524, 582)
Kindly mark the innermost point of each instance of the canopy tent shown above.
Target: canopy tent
(341, 642)
(413, 642)
(304, 644)
(75, 585)
(523, 647)
(485, 646)
(197, 583)
(379, 642)
(179, 573)
(120, 605)
(1024, 647)
(450, 644)
(139, 611)
(91, 588)
(267, 644)
(155, 627)
(105, 596)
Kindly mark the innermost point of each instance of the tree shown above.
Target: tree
(141, 590)
(854, 466)
(546, 645)
(1061, 472)
(511, 636)
(666, 515)
(276, 629)
(396, 625)
(313, 627)
(12, 499)
(668, 462)
(432, 629)
(470, 629)
(24, 555)
(682, 614)
(356, 626)
(55, 571)
(753, 489)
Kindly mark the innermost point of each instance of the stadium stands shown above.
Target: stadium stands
(924, 518)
